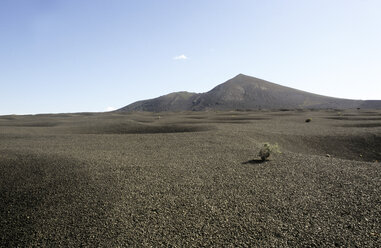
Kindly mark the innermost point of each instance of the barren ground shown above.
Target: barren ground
(191, 179)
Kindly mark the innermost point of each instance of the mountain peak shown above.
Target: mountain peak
(244, 78)
(241, 75)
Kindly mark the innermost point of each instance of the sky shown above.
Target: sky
(59, 56)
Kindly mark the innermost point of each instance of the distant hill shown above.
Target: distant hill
(245, 92)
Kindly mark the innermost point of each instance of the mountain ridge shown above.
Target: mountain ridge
(246, 92)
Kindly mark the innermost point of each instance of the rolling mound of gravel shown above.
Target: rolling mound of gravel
(202, 188)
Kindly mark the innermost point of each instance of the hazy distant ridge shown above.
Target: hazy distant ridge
(245, 92)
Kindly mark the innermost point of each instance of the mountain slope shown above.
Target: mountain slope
(177, 101)
(245, 92)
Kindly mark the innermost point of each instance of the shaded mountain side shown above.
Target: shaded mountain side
(371, 104)
(245, 92)
(177, 101)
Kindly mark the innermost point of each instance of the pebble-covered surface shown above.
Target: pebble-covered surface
(191, 179)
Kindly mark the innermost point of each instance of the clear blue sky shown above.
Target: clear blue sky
(89, 55)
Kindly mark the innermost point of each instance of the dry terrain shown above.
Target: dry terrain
(191, 179)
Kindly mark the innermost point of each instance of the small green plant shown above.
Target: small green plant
(267, 150)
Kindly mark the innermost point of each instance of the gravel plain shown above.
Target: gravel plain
(191, 179)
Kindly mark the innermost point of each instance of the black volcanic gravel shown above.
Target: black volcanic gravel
(61, 186)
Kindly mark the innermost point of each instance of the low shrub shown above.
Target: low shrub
(267, 150)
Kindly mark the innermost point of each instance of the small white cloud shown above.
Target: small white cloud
(180, 57)
(110, 109)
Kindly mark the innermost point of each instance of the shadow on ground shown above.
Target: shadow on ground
(255, 161)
